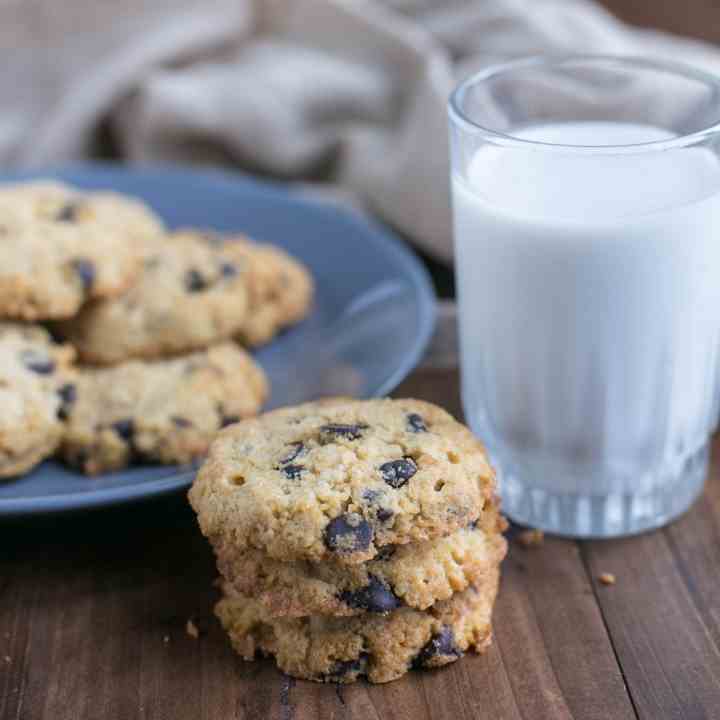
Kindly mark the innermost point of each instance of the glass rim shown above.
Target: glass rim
(496, 137)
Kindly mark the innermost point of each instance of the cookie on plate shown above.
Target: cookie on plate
(191, 294)
(416, 575)
(164, 411)
(63, 247)
(36, 391)
(340, 479)
(280, 290)
(380, 647)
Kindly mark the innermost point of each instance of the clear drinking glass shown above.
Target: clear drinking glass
(586, 196)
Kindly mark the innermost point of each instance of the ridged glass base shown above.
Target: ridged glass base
(603, 516)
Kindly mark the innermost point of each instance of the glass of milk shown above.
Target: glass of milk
(586, 196)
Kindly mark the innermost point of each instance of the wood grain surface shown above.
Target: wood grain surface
(697, 18)
(93, 613)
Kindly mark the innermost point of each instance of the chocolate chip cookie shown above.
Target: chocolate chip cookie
(416, 575)
(191, 294)
(340, 480)
(36, 392)
(380, 647)
(164, 411)
(63, 247)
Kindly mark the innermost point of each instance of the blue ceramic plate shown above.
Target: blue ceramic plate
(373, 315)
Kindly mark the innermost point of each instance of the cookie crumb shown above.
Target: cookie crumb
(606, 578)
(191, 629)
(531, 538)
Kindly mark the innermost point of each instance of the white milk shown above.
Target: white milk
(590, 306)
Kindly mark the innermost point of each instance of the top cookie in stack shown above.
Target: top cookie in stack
(353, 537)
(340, 479)
(164, 314)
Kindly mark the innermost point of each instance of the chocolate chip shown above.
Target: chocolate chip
(293, 472)
(440, 645)
(37, 362)
(373, 499)
(384, 514)
(181, 422)
(67, 213)
(124, 428)
(333, 430)
(68, 395)
(298, 449)
(385, 553)
(415, 423)
(343, 668)
(228, 270)
(396, 473)
(85, 271)
(226, 420)
(348, 533)
(375, 597)
(194, 281)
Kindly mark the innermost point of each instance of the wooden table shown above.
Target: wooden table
(93, 614)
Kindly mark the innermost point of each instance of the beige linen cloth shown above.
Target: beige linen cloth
(347, 91)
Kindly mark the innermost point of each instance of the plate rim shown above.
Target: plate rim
(180, 478)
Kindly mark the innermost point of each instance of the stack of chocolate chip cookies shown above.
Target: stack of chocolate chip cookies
(122, 342)
(354, 538)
